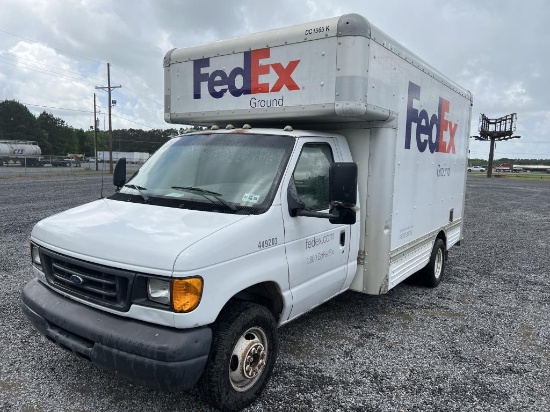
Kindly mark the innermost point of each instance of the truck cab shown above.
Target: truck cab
(183, 241)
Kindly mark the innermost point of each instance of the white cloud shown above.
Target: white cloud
(516, 95)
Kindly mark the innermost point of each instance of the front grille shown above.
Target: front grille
(99, 284)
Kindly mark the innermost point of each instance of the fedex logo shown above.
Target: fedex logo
(445, 130)
(246, 79)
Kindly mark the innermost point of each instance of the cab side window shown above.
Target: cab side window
(311, 175)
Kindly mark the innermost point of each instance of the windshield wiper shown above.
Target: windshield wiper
(139, 189)
(206, 193)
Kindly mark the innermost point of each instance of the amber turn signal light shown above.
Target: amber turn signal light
(186, 294)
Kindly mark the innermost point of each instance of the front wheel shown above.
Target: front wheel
(242, 357)
(432, 274)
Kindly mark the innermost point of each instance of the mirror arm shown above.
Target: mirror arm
(317, 214)
(334, 212)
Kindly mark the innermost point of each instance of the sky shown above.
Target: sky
(54, 53)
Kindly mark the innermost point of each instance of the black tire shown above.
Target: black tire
(247, 329)
(432, 274)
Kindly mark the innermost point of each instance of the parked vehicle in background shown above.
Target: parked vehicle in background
(131, 157)
(65, 162)
(185, 273)
(476, 169)
(531, 168)
(24, 152)
(508, 168)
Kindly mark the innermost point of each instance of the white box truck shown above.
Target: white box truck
(334, 160)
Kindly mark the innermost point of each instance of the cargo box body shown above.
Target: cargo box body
(406, 124)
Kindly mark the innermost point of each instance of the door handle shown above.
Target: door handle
(343, 238)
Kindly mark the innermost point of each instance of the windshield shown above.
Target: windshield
(218, 172)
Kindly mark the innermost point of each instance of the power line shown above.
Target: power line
(84, 111)
(64, 76)
(54, 48)
(124, 96)
(37, 63)
(44, 71)
(48, 73)
(131, 121)
(136, 80)
(56, 108)
(145, 97)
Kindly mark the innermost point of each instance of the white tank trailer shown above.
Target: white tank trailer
(27, 153)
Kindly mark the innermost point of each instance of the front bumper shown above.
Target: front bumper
(155, 356)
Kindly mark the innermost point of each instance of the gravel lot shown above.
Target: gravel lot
(479, 342)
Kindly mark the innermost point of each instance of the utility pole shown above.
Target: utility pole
(95, 135)
(109, 88)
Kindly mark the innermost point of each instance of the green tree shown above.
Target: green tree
(63, 138)
(18, 123)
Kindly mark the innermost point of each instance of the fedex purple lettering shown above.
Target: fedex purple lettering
(219, 82)
(425, 125)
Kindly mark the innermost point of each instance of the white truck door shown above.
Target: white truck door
(317, 250)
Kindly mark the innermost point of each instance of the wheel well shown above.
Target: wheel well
(266, 294)
(441, 235)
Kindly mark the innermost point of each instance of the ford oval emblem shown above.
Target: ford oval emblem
(76, 280)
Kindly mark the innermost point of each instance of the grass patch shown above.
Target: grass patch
(523, 176)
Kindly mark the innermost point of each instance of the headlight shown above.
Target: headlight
(183, 295)
(158, 291)
(186, 294)
(35, 255)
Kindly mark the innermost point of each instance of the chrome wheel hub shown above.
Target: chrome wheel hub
(438, 266)
(248, 359)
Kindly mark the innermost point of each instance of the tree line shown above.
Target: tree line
(497, 162)
(55, 137)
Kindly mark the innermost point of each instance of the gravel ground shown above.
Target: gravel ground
(479, 342)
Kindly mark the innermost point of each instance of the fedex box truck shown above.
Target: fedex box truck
(334, 159)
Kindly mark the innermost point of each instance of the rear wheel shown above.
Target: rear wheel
(432, 274)
(242, 357)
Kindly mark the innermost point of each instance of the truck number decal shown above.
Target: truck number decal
(264, 244)
(315, 30)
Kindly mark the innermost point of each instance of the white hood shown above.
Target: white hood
(128, 235)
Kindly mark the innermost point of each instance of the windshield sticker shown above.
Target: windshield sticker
(251, 198)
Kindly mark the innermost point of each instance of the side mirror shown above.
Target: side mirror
(343, 192)
(119, 174)
(342, 196)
